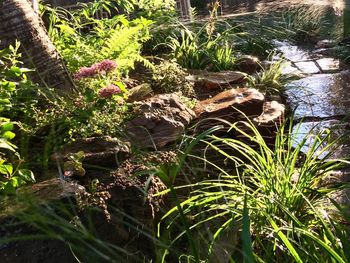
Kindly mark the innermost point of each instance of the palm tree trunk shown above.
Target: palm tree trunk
(18, 21)
(346, 18)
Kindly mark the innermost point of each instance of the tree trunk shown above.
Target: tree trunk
(346, 18)
(19, 21)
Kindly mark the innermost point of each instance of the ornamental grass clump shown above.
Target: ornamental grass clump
(266, 205)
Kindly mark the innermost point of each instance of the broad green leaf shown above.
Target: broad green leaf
(79, 156)
(9, 168)
(6, 169)
(16, 70)
(7, 126)
(7, 145)
(285, 240)
(246, 238)
(66, 29)
(27, 175)
(8, 135)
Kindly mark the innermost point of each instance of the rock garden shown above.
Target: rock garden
(142, 137)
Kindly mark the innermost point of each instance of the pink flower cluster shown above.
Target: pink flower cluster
(104, 66)
(109, 91)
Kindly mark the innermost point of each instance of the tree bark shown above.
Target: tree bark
(18, 21)
(346, 18)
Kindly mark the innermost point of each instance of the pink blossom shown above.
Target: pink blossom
(109, 91)
(85, 72)
(104, 66)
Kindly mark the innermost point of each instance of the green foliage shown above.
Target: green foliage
(208, 47)
(303, 22)
(170, 77)
(269, 80)
(116, 38)
(74, 165)
(157, 10)
(11, 174)
(85, 116)
(11, 76)
(277, 189)
(202, 49)
(259, 45)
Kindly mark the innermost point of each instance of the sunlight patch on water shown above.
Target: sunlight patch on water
(321, 95)
(313, 131)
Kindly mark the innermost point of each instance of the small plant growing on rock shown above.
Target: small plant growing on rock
(101, 78)
(98, 109)
(270, 79)
(74, 166)
(169, 77)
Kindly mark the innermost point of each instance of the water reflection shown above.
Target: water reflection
(311, 131)
(321, 95)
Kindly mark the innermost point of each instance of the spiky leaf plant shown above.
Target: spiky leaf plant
(269, 207)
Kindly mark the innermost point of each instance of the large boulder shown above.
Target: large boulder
(140, 92)
(101, 151)
(51, 190)
(160, 120)
(248, 64)
(216, 80)
(270, 120)
(229, 106)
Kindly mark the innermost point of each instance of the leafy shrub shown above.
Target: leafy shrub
(170, 77)
(200, 50)
(11, 76)
(155, 9)
(269, 79)
(207, 47)
(97, 109)
(116, 38)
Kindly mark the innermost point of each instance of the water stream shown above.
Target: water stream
(320, 98)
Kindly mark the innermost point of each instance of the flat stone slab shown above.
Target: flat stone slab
(329, 65)
(249, 101)
(321, 95)
(53, 189)
(289, 69)
(216, 80)
(140, 92)
(273, 114)
(270, 120)
(307, 67)
(100, 151)
(291, 52)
